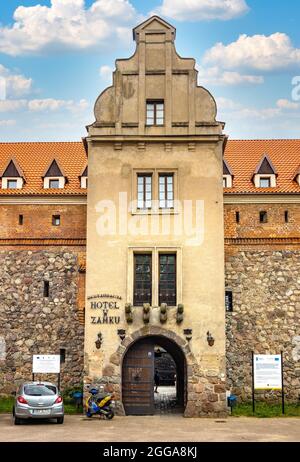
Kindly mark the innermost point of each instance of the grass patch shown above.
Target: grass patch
(6, 405)
(263, 409)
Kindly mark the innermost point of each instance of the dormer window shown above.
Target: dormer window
(155, 112)
(227, 175)
(12, 176)
(54, 178)
(265, 182)
(265, 174)
(54, 184)
(84, 178)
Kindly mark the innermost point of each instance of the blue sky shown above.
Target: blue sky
(57, 56)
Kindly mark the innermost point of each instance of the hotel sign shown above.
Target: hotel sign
(104, 307)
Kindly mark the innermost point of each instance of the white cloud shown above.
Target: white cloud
(106, 73)
(42, 105)
(216, 76)
(260, 52)
(286, 104)
(16, 85)
(197, 10)
(68, 24)
(7, 123)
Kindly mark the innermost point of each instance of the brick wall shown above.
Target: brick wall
(37, 221)
(250, 226)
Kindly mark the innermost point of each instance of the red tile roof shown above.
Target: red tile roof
(34, 159)
(243, 156)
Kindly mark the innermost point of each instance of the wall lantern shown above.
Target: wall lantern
(210, 339)
(98, 342)
(122, 333)
(188, 334)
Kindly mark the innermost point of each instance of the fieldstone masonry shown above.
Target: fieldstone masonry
(31, 323)
(265, 317)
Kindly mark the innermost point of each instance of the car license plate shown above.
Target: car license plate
(41, 411)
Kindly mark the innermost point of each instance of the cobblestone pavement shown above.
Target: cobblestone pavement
(158, 428)
(165, 401)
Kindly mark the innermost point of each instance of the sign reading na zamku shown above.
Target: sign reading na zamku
(46, 364)
(267, 372)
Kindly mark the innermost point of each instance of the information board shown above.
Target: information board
(267, 372)
(46, 364)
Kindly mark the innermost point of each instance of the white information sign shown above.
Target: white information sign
(267, 372)
(46, 364)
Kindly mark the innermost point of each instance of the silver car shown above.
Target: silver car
(38, 400)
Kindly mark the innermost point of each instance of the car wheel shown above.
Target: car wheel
(60, 420)
(17, 421)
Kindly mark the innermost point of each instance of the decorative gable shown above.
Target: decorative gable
(265, 174)
(12, 175)
(227, 175)
(54, 177)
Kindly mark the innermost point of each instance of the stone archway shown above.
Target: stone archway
(114, 382)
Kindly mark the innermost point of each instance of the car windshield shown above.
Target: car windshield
(39, 390)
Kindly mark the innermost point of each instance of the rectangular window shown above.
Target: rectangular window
(228, 301)
(286, 216)
(54, 184)
(166, 191)
(62, 353)
(237, 217)
(144, 193)
(56, 220)
(224, 182)
(142, 279)
(21, 219)
(265, 183)
(167, 279)
(46, 288)
(12, 184)
(155, 112)
(263, 217)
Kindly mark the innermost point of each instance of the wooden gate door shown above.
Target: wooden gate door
(138, 379)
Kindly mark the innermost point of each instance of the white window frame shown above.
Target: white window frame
(228, 181)
(61, 180)
(258, 177)
(6, 179)
(83, 182)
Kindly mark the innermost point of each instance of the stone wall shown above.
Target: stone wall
(31, 323)
(265, 317)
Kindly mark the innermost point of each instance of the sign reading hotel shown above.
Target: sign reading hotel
(267, 372)
(104, 306)
(46, 364)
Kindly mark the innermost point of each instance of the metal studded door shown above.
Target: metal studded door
(138, 379)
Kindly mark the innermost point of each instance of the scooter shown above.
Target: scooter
(100, 404)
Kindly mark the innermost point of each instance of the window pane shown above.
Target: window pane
(54, 184)
(142, 280)
(167, 279)
(12, 184)
(265, 182)
(150, 121)
(159, 121)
